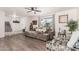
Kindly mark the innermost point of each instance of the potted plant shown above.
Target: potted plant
(73, 25)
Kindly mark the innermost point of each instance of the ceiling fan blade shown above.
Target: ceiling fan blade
(29, 11)
(37, 10)
(34, 9)
(28, 8)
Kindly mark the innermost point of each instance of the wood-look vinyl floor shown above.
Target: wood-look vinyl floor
(21, 43)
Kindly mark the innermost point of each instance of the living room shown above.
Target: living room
(36, 28)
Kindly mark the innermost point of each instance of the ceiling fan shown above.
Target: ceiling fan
(33, 9)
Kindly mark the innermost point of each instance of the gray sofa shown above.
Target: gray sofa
(37, 35)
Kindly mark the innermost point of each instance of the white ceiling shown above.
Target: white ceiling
(21, 11)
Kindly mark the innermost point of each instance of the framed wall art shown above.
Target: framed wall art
(63, 18)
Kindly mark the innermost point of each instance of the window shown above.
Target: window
(46, 22)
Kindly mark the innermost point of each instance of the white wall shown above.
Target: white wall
(24, 23)
(29, 20)
(72, 14)
(19, 26)
(16, 27)
(78, 16)
(35, 18)
(2, 28)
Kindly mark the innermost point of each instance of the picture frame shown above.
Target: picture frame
(34, 22)
(63, 18)
(16, 21)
